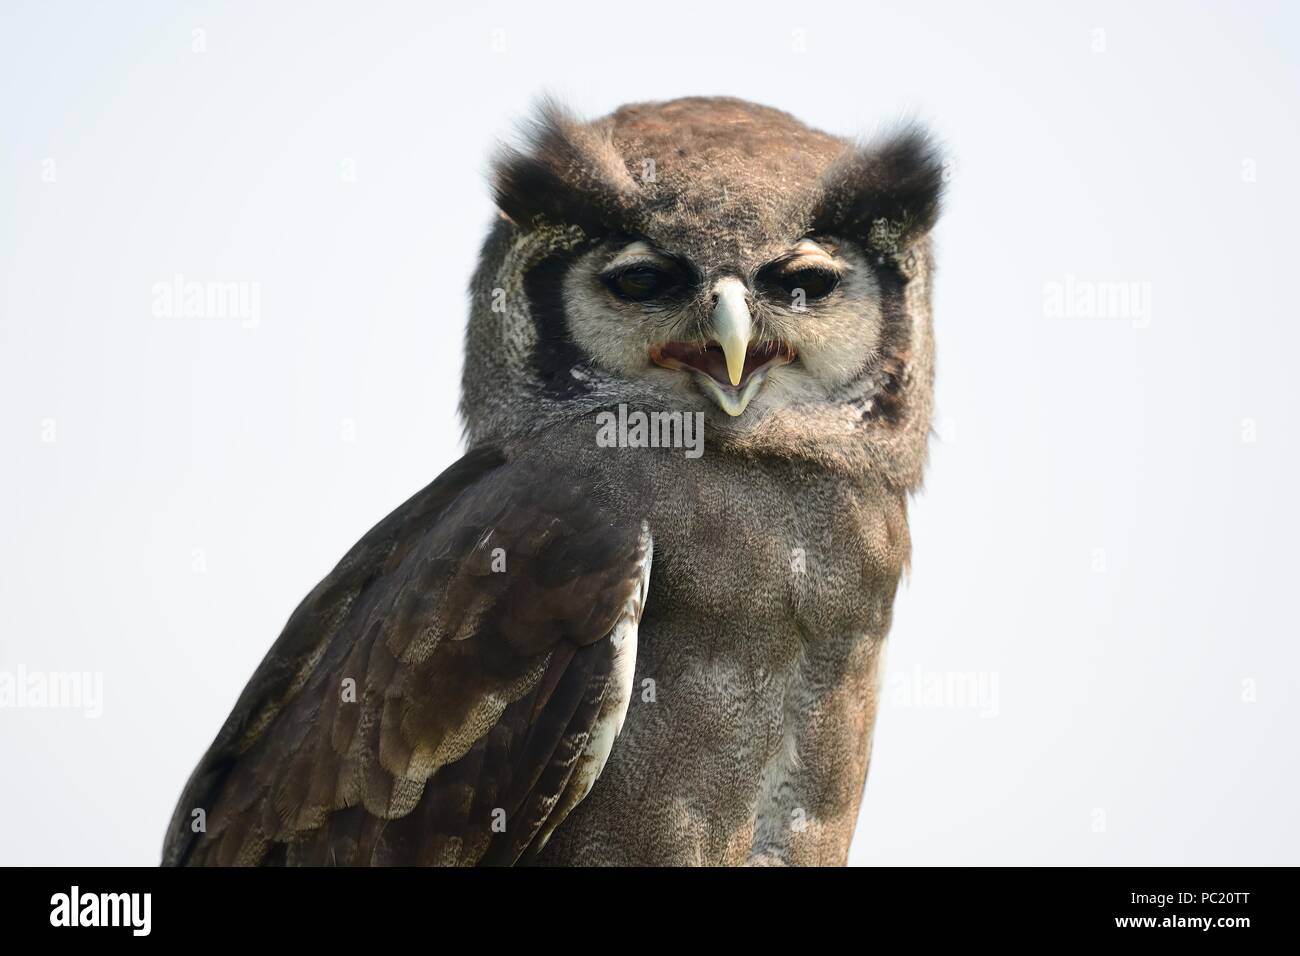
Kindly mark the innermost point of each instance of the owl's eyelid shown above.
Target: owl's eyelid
(641, 255)
(657, 263)
(640, 252)
(799, 261)
(822, 251)
(808, 245)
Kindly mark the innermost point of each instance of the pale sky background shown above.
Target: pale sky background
(1105, 543)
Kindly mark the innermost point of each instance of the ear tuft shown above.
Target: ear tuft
(567, 173)
(886, 195)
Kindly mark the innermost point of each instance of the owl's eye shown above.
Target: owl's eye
(815, 282)
(641, 283)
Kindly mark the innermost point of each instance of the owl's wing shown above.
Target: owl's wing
(447, 695)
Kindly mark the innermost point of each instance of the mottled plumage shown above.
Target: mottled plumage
(694, 640)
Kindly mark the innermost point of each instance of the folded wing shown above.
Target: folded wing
(446, 696)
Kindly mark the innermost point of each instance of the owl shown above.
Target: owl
(641, 620)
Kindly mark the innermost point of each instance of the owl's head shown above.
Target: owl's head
(705, 255)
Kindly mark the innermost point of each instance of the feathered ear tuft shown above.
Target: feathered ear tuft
(886, 194)
(568, 174)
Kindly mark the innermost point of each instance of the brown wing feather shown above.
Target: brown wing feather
(476, 688)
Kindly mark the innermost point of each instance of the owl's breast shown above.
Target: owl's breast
(776, 552)
(769, 597)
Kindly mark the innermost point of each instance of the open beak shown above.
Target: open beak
(731, 368)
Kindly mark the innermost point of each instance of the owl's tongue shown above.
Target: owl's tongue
(712, 361)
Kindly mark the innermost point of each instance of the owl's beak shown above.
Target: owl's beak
(731, 367)
(731, 325)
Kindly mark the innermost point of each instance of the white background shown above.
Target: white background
(1099, 534)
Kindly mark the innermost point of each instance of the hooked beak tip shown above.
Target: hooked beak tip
(731, 324)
